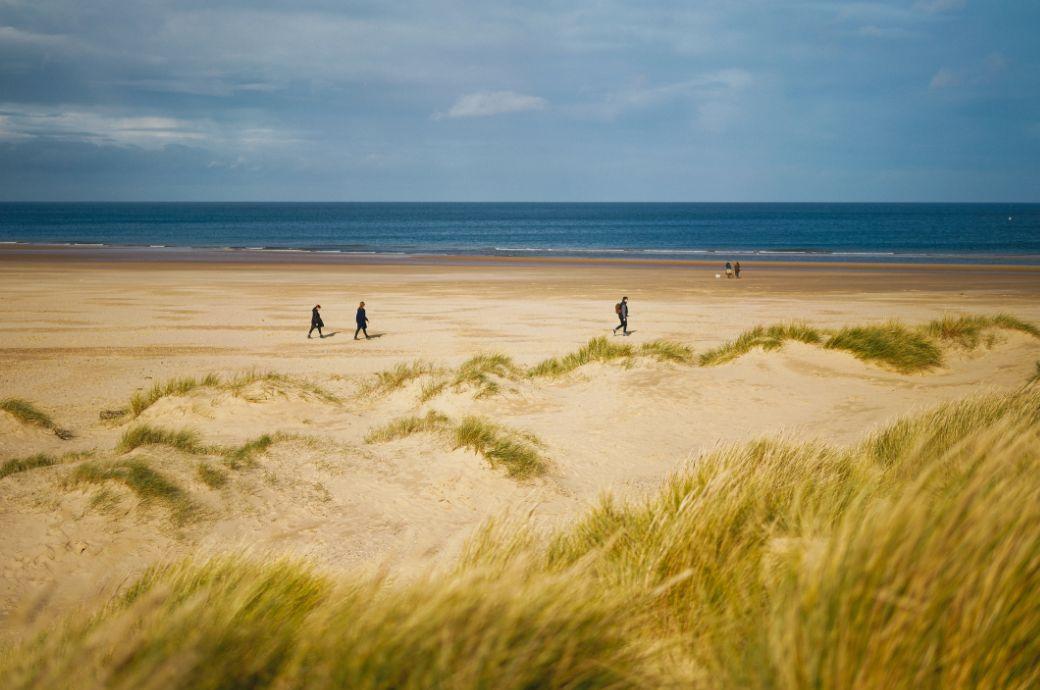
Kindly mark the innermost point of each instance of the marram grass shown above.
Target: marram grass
(765, 337)
(910, 560)
(517, 452)
(183, 440)
(27, 413)
(141, 401)
(16, 465)
(432, 421)
(482, 373)
(397, 377)
(892, 345)
(596, 350)
(150, 485)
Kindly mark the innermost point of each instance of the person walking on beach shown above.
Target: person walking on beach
(736, 269)
(316, 322)
(729, 270)
(362, 322)
(621, 309)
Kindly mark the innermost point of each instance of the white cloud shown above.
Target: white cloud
(107, 127)
(944, 79)
(487, 103)
(11, 35)
(713, 93)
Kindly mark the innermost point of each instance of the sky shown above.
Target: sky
(605, 100)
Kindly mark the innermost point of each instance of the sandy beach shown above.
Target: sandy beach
(80, 334)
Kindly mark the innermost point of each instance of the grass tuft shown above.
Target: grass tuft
(239, 382)
(891, 344)
(481, 371)
(596, 350)
(515, 451)
(140, 402)
(431, 389)
(27, 413)
(247, 452)
(894, 345)
(406, 426)
(211, 476)
(148, 484)
(144, 435)
(967, 331)
(390, 380)
(23, 464)
(668, 351)
(1013, 323)
(765, 337)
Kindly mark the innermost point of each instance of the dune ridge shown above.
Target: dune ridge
(772, 564)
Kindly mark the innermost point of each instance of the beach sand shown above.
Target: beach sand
(80, 333)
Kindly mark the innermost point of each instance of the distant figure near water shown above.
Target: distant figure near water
(621, 309)
(736, 269)
(729, 270)
(362, 322)
(316, 322)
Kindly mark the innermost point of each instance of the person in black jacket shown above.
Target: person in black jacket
(316, 322)
(621, 309)
(362, 322)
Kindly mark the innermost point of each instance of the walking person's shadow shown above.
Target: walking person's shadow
(329, 335)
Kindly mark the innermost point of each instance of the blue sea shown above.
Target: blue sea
(971, 233)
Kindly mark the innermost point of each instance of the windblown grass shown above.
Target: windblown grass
(909, 560)
(17, 465)
(967, 331)
(143, 435)
(140, 402)
(668, 351)
(247, 452)
(211, 476)
(236, 384)
(390, 380)
(906, 561)
(515, 451)
(892, 344)
(481, 371)
(431, 389)
(148, 484)
(596, 350)
(765, 337)
(231, 623)
(406, 426)
(27, 413)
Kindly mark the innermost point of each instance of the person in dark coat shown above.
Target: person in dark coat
(621, 309)
(736, 269)
(316, 322)
(729, 270)
(362, 322)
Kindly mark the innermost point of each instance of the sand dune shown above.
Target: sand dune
(319, 489)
